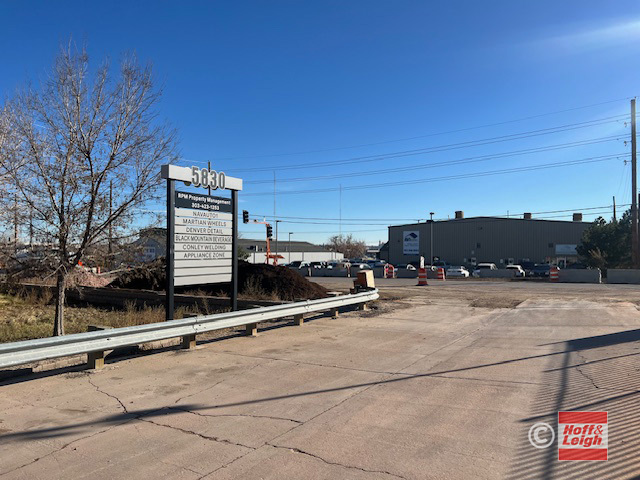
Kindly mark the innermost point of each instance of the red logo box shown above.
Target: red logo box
(583, 436)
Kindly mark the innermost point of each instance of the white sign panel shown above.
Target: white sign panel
(200, 177)
(566, 249)
(200, 279)
(203, 248)
(411, 242)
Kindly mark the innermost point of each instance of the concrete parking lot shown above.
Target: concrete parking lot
(440, 382)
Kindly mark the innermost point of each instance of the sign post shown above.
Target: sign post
(234, 247)
(202, 232)
(170, 255)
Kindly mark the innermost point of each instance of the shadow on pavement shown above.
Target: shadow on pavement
(599, 373)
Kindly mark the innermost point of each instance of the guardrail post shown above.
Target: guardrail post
(298, 319)
(95, 360)
(251, 330)
(363, 306)
(189, 341)
(334, 313)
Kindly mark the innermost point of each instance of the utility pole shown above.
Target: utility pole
(614, 208)
(110, 244)
(31, 227)
(431, 242)
(15, 224)
(340, 223)
(634, 196)
(276, 252)
(289, 247)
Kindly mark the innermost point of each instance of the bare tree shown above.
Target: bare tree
(67, 140)
(347, 245)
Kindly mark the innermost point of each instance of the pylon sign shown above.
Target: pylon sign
(203, 239)
(202, 231)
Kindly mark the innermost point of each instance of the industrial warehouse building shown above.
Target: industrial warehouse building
(469, 241)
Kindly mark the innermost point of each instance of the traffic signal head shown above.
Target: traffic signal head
(245, 216)
(269, 231)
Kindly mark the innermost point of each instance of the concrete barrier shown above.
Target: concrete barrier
(378, 272)
(404, 273)
(432, 274)
(320, 272)
(623, 275)
(337, 272)
(354, 271)
(504, 273)
(579, 276)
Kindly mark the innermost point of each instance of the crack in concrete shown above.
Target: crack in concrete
(190, 432)
(579, 369)
(98, 389)
(249, 415)
(66, 445)
(328, 462)
(225, 465)
(199, 391)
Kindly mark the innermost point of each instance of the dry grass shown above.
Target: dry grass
(27, 316)
(253, 291)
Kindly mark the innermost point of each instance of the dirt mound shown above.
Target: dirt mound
(254, 280)
(150, 276)
(280, 282)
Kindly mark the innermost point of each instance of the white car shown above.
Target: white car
(405, 266)
(361, 266)
(461, 272)
(519, 270)
(483, 266)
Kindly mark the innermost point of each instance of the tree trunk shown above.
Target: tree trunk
(58, 321)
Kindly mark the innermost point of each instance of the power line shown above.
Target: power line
(480, 158)
(440, 148)
(451, 177)
(459, 130)
(577, 209)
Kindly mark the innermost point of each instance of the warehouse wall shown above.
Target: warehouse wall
(487, 239)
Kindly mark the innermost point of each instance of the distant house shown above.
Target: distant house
(151, 244)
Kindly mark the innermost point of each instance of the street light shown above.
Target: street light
(431, 242)
(289, 247)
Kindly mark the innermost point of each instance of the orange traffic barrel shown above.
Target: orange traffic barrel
(554, 274)
(389, 271)
(422, 277)
(441, 275)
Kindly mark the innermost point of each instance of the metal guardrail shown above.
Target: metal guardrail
(19, 353)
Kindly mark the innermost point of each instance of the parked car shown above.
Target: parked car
(441, 264)
(361, 266)
(405, 266)
(483, 266)
(576, 266)
(459, 271)
(298, 264)
(519, 270)
(541, 270)
(338, 264)
(528, 268)
(318, 264)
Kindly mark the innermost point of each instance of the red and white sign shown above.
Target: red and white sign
(583, 435)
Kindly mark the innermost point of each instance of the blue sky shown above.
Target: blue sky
(284, 84)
